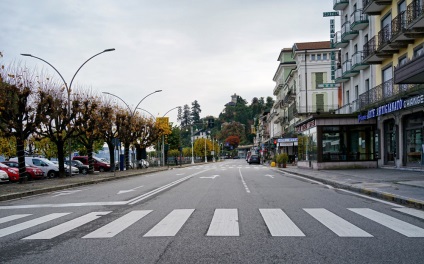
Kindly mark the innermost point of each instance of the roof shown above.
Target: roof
(312, 45)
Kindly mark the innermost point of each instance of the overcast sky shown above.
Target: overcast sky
(203, 50)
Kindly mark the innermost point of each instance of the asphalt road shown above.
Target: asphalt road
(228, 212)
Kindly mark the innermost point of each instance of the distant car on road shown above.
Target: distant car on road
(254, 159)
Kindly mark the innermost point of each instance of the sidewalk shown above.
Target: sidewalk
(399, 186)
(10, 191)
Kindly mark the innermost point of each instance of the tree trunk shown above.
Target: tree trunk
(61, 157)
(127, 154)
(111, 155)
(90, 159)
(20, 149)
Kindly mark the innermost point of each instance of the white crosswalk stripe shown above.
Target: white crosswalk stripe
(336, 224)
(224, 223)
(279, 224)
(397, 225)
(117, 226)
(28, 224)
(12, 217)
(171, 224)
(67, 226)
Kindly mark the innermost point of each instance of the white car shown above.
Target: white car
(3, 176)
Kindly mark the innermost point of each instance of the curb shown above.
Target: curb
(373, 193)
(72, 185)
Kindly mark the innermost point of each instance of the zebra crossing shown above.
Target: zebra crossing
(228, 166)
(224, 223)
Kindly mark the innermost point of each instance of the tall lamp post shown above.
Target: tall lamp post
(68, 88)
(132, 112)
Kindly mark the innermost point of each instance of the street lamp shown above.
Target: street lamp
(132, 112)
(68, 88)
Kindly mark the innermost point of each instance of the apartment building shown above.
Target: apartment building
(382, 79)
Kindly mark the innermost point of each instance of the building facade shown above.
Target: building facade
(383, 78)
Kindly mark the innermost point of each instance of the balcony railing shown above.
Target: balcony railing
(386, 91)
(348, 108)
(384, 36)
(399, 23)
(338, 42)
(374, 7)
(340, 4)
(415, 12)
(359, 20)
(370, 48)
(358, 61)
(347, 32)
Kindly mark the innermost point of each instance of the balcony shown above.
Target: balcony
(290, 96)
(359, 20)
(386, 92)
(338, 42)
(339, 76)
(349, 108)
(340, 4)
(347, 69)
(415, 15)
(358, 61)
(399, 36)
(384, 48)
(370, 52)
(411, 72)
(374, 7)
(347, 32)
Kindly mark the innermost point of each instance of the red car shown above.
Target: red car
(32, 172)
(13, 173)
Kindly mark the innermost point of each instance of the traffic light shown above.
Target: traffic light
(211, 123)
(275, 143)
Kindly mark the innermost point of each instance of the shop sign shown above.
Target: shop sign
(306, 126)
(392, 107)
(281, 140)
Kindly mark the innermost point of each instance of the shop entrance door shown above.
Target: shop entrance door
(390, 142)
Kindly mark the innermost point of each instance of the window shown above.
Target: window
(324, 56)
(402, 60)
(320, 102)
(356, 92)
(318, 57)
(367, 85)
(312, 57)
(347, 100)
(418, 51)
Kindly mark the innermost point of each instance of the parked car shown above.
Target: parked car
(13, 173)
(254, 159)
(3, 176)
(99, 165)
(32, 172)
(49, 168)
(78, 164)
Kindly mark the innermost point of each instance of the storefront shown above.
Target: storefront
(289, 146)
(337, 141)
(401, 126)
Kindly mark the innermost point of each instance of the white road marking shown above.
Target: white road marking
(171, 224)
(160, 189)
(279, 224)
(268, 175)
(67, 226)
(397, 225)
(411, 211)
(12, 217)
(62, 205)
(117, 226)
(336, 224)
(244, 183)
(67, 192)
(210, 177)
(131, 190)
(25, 225)
(224, 223)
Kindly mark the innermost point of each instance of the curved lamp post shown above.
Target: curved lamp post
(68, 88)
(132, 112)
